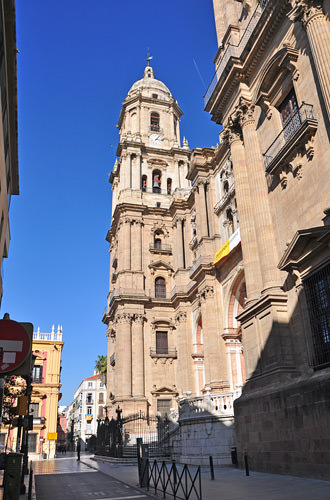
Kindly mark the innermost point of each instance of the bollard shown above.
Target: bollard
(211, 468)
(246, 463)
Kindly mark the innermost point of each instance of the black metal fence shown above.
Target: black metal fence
(117, 437)
(168, 479)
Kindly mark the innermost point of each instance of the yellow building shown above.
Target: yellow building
(47, 349)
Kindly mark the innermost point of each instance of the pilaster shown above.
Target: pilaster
(123, 380)
(232, 134)
(138, 388)
(312, 16)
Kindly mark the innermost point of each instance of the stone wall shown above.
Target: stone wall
(286, 430)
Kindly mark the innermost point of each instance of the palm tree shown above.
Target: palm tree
(101, 367)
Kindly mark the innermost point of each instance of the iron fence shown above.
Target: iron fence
(180, 484)
(117, 437)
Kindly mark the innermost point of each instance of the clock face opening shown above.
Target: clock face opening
(156, 139)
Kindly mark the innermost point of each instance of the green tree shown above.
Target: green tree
(101, 367)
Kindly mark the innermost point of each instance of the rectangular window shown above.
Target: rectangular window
(89, 410)
(37, 374)
(90, 384)
(101, 397)
(34, 409)
(161, 343)
(32, 442)
(317, 289)
(89, 398)
(163, 407)
(289, 115)
(101, 412)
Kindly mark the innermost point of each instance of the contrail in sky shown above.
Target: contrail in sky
(199, 74)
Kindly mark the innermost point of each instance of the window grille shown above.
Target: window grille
(318, 299)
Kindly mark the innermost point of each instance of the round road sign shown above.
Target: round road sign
(14, 345)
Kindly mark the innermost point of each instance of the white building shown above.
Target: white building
(88, 406)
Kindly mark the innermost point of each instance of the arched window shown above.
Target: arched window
(156, 181)
(169, 186)
(157, 243)
(144, 183)
(226, 187)
(160, 288)
(154, 122)
(230, 220)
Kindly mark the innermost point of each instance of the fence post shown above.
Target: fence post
(211, 468)
(164, 475)
(200, 483)
(247, 472)
(186, 481)
(174, 478)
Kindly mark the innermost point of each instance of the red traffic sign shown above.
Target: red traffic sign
(15, 345)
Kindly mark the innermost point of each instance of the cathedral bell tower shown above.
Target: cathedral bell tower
(148, 176)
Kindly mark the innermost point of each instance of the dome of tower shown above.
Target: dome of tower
(148, 85)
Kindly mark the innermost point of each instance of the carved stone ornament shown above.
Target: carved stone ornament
(181, 317)
(306, 10)
(139, 319)
(245, 112)
(124, 318)
(231, 133)
(207, 292)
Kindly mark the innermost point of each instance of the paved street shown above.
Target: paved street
(66, 478)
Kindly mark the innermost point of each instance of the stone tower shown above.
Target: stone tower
(148, 256)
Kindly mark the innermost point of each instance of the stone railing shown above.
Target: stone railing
(235, 51)
(50, 337)
(224, 200)
(209, 404)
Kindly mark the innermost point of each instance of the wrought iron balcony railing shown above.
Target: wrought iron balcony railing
(296, 122)
(160, 248)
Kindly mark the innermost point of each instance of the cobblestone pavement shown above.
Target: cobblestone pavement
(68, 479)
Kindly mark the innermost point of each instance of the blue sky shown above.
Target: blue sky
(77, 60)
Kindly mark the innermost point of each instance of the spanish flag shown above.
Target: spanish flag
(228, 247)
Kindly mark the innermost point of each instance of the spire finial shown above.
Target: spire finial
(149, 57)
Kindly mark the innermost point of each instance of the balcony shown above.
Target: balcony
(224, 200)
(89, 401)
(112, 359)
(114, 261)
(296, 133)
(215, 404)
(163, 353)
(163, 248)
(234, 51)
(204, 262)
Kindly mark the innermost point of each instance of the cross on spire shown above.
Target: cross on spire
(149, 57)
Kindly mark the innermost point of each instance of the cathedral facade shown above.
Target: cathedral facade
(220, 262)
(172, 210)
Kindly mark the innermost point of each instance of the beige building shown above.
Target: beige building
(271, 93)
(168, 336)
(8, 124)
(220, 253)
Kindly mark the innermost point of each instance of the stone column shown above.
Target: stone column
(136, 257)
(179, 244)
(126, 248)
(138, 388)
(214, 354)
(246, 219)
(259, 194)
(210, 205)
(123, 356)
(184, 365)
(317, 26)
(202, 208)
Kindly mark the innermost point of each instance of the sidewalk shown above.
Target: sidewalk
(232, 484)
